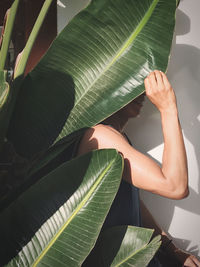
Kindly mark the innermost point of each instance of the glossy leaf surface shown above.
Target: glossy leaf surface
(123, 246)
(57, 220)
(95, 66)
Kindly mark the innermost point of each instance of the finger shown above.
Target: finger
(147, 85)
(190, 262)
(152, 80)
(159, 79)
(165, 80)
(196, 261)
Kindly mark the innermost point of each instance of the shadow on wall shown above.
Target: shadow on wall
(184, 70)
(67, 9)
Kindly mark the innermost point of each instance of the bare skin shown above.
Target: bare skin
(171, 178)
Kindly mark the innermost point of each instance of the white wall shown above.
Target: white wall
(180, 218)
(67, 9)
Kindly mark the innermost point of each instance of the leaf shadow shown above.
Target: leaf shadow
(97, 256)
(42, 108)
(183, 72)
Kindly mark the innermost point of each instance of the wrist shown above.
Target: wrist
(170, 249)
(169, 111)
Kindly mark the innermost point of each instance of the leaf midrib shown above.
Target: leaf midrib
(126, 44)
(82, 203)
(132, 254)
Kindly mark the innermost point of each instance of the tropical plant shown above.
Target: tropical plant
(123, 246)
(94, 67)
(57, 220)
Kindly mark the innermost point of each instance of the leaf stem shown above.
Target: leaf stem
(7, 33)
(31, 40)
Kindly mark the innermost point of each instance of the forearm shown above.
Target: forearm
(174, 163)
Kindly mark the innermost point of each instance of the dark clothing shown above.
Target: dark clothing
(125, 210)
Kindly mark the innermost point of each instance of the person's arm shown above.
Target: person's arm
(174, 162)
(169, 180)
(169, 253)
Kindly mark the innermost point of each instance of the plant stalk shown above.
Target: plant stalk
(7, 33)
(20, 69)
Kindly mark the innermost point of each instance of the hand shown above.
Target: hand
(188, 260)
(175, 257)
(160, 91)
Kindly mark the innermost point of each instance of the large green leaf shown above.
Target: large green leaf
(57, 220)
(8, 92)
(95, 66)
(62, 151)
(123, 246)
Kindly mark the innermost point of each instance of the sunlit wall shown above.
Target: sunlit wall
(180, 218)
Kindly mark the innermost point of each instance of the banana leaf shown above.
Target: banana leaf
(9, 89)
(57, 220)
(9, 23)
(62, 151)
(4, 85)
(94, 67)
(20, 68)
(123, 246)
